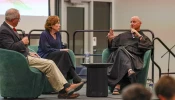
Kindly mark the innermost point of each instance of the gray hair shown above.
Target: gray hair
(11, 13)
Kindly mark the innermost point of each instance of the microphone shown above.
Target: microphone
(23, 33)
(133, 35)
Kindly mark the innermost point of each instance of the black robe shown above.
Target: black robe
(127, 53)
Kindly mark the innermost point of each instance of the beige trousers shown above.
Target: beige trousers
(49, 68)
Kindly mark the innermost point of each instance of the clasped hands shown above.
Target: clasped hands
(33, 54)
(64, 50)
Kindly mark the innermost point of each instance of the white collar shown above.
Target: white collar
(10, 25)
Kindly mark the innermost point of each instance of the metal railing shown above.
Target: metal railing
(169, 50)
(115, 30)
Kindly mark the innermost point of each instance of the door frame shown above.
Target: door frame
(88, 24)
(92, 20)
(85, 5)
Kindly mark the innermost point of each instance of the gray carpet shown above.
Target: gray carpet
(81, 97)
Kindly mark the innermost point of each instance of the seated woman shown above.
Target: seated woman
(51, 47)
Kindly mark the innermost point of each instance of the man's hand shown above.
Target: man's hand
(25, 40)
(33, 54)
(111, 35)
(64, 50)
(136, 34)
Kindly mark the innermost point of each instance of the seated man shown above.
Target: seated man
(136, 92)
(9, 39)
(127, 55)
(165, 88)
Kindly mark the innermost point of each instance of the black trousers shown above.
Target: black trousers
(65, 65)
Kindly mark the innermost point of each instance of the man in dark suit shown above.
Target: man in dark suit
(9, 39)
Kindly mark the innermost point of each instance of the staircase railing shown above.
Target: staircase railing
(169, 50)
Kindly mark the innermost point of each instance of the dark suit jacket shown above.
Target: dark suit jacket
(9, 40)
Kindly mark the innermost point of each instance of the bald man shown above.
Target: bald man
(127, 55)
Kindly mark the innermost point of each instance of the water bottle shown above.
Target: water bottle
(151, 86)
(87, 57)
(147, 84)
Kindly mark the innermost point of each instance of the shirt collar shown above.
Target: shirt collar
(10, 25)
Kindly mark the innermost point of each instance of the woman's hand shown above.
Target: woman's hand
(33, 54)
(64, 50)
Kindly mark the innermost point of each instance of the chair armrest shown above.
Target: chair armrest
(35, 70)
(105, 55)
(72, 56)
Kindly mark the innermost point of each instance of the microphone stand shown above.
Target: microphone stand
(168, 58)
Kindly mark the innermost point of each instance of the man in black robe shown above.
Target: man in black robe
(127, 55)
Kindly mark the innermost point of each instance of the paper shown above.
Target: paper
(94, 41)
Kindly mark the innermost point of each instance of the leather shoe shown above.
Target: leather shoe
(66, 96)
(74, 87)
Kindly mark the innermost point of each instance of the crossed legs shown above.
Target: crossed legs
(55, 77)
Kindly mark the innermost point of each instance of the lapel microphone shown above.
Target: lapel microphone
(133, 35)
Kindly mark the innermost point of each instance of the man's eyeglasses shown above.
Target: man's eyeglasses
(18, 18)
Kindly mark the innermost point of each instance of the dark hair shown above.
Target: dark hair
(165, 87)
(136, 92)
(51, 20)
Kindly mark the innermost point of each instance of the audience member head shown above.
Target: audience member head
(52, 23)
(12, 17)
(165, 88)
(135, 23)
(136, 92)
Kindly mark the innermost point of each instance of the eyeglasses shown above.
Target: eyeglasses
(18, 18)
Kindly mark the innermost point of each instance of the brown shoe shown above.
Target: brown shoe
(74, 87)
(66, 96)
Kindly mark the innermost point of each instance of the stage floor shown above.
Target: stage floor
(81, 97)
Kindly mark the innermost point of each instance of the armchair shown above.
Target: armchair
(142, 75)
(17, 79)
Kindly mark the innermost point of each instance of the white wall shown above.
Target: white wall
(156, 15)
(28, 23)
